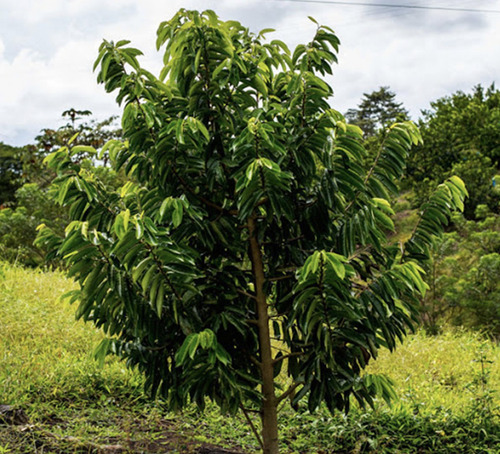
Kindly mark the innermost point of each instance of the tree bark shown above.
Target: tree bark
(269, 401)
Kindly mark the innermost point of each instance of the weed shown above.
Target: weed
(483, 406)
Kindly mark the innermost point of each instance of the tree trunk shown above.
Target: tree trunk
(269, 401)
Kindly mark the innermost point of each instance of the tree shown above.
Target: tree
(246, 259)
(478, 174)
(376, 111)
(86, 133)
(459, 130)
(10, 173)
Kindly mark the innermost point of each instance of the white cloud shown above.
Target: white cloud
(34, 91)
(47, 49)
(33, 11)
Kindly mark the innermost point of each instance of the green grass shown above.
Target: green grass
(45, 354)
(449, 371)
(449, 388)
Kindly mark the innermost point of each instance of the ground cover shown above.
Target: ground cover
(448, 387)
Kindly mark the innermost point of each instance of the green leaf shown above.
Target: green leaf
(222, 355)
(335, 261)
(187, 349)
(207, 339)
(177, 213)
(141, 266)
(83, 149)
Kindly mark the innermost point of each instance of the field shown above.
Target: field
(448, 388)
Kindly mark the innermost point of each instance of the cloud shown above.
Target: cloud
(33, 12)
(35, 91)
(419, 63)
(47, 49)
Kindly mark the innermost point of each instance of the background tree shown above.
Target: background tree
(376, 111)
(478, 174)
(10, 173)
(461, 130)
(246, 259)
(81, 130)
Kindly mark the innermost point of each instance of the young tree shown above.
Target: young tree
(246, 259)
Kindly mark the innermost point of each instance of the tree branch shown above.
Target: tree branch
(199, 197)
(289, 391)
(289, 355)
(249, 295)
(252, 426)
(281, 278)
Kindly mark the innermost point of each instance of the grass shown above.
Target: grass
(449, 371)
(449, 388)
(44, 351)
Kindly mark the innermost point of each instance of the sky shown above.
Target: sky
(47, 50)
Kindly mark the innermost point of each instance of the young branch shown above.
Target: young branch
(202, 199)
(289, 391)
(289, 355)
(249, 295)
(252, 426)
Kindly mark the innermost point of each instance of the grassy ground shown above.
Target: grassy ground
(449, 389)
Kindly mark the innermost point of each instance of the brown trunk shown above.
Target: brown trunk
(269, 402)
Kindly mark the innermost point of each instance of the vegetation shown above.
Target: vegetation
(10, 173)
(248, 219)
(74, 405)
(203, 201)
(29, 204)
(463, 276)
(18, 225)
(461, 135)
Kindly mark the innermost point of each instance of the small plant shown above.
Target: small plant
(483, 405)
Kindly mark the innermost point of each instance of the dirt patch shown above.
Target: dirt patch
(137, 436)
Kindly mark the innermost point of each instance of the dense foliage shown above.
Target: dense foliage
(461, 135)
(10, 173)
(18, 226)
(249, 217)
(463, 276)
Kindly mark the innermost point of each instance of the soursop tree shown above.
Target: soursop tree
(245, 260)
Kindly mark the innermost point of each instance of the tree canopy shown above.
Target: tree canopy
(461, 135)
(246, 259)
(376, 111)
